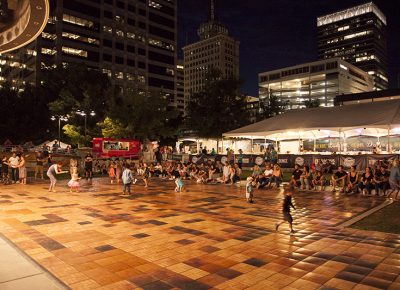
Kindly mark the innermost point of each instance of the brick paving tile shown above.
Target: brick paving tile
(205, 238)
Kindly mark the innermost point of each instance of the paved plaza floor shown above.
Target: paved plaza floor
(207, 237)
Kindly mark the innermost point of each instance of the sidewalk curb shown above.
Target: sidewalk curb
(365, 214)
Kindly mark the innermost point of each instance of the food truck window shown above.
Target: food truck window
(116, 146)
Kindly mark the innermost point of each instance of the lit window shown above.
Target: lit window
(119, 33)
(107, 29)
(130, 35)
(48, 51)
(358, 34)
(119, 75)
(49, 35)
(77, 21)
(107, 71)
(141, 79)
(155, 5)
(161, 44)
(80, 38)
(74, 51)
(170, 71)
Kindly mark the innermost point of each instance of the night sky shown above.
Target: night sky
(278, 33)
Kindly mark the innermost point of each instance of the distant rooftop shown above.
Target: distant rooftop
(351, 12)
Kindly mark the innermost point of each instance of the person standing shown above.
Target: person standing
(249, 189)
(39, 165)
(88, 163)
(394, 180)
(240, 158)
(274, 156)
(22, 170)
(52, 172)
(287, 204)
(127, 180)
(13, 161)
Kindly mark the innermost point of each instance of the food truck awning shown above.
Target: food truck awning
(373, 119)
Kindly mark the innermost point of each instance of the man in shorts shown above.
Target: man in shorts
(39, 165)
(89, 166)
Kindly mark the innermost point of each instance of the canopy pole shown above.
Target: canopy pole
(265, 143)
(222, 144)
(198, 146)
(388, 140)
(340, 141)
(276, 143)
(252, 148)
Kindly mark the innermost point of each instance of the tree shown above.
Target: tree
(24, 115)
(312, 103)
(140, 115)
(271, 107)
(76, 87)
(218, 108)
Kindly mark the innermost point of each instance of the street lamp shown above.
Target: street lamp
(60, 118)
(84, 114)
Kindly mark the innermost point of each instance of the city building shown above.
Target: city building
(215, 50)
(320, 80)
(358, 36)
(133, 41)
(180, 93)
(253, 108)
(367, 97)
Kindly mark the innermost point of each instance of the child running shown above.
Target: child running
(287, 204)
(249, 189)
(179, 184)
(74, 182)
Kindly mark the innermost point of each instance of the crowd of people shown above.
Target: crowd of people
(382, 179)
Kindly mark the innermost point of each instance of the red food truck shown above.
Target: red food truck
(108, 147)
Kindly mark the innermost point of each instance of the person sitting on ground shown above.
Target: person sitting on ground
(225, 174)
(318, 180)
(381, 180)
(339, 179)
(367, 182)
(264, 180)
(352, 180)
(276, 178)
(235, 173)
(305, 178)
(295, 179)
(211, 172)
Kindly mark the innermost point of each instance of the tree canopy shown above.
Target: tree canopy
(218, 108)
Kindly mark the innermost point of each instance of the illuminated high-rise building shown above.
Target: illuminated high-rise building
(358, 36)
(133, 41)
(216, 49)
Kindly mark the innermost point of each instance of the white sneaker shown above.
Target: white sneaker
(134, 181)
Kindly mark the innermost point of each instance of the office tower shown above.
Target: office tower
(133, 41)
(358, 36)
(180, 94)
(321, 80)
(214, 50)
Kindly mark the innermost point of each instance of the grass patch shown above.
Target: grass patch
(385, 220)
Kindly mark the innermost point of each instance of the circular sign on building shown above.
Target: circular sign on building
(349, 161)
(21, 22)
(299, 161)
(259, 160)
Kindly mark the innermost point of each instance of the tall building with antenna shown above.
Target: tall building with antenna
(216, 49)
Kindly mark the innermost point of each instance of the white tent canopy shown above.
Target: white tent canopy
(373, 119)
(51, 143)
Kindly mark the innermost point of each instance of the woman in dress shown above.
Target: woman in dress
(22, 170)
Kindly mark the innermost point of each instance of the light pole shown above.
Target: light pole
(84, 114)
(60, 118)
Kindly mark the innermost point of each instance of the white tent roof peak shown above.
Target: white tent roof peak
(323, 121)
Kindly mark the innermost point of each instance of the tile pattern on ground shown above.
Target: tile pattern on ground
(207, 237)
